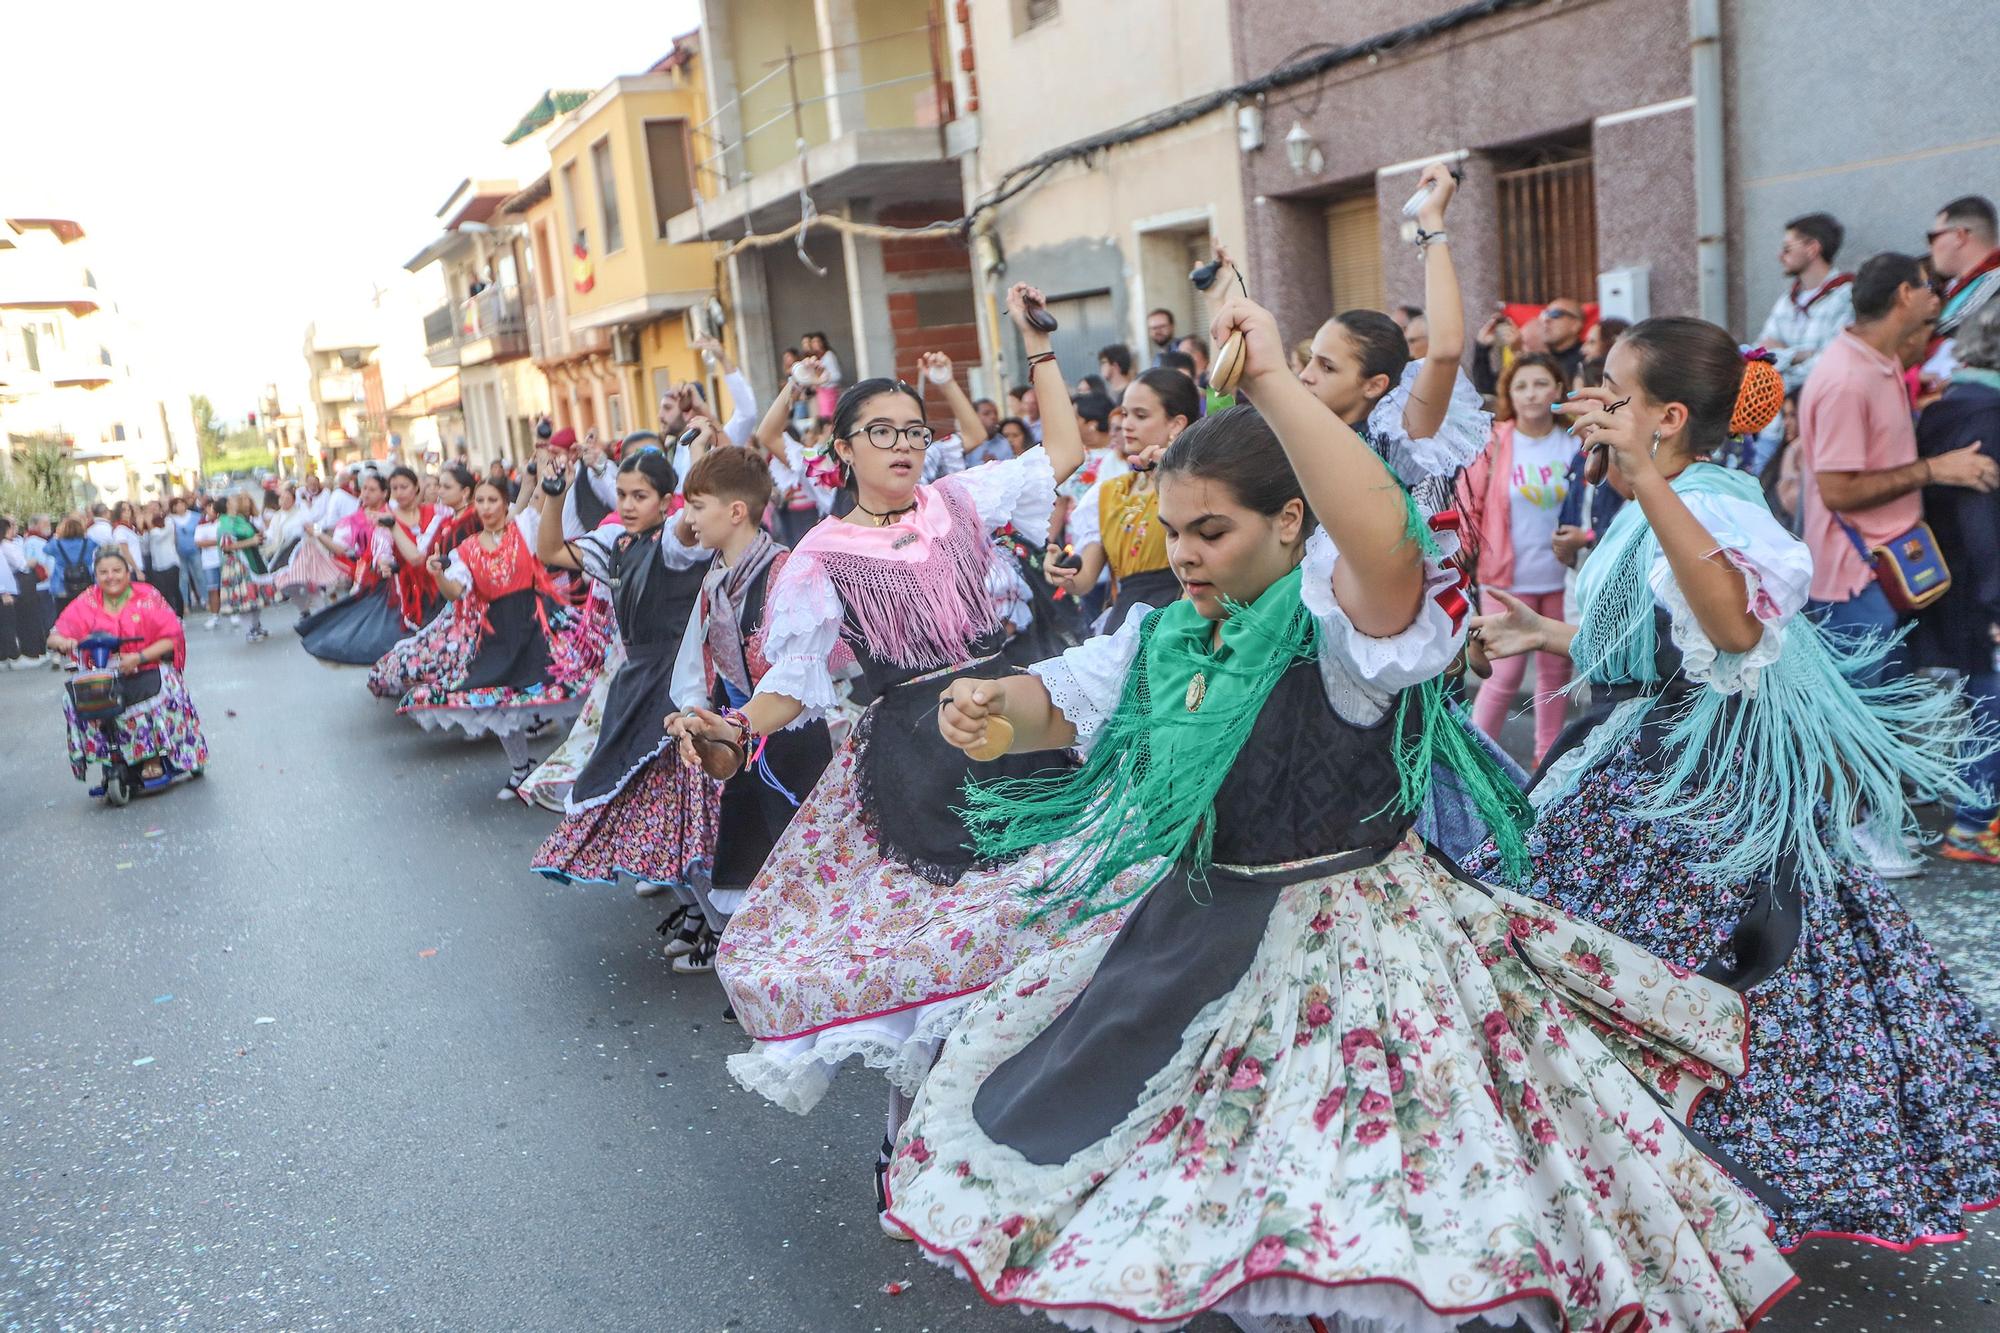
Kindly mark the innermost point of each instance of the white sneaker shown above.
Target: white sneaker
(236, 620)
(1888, 858)
(211, 622)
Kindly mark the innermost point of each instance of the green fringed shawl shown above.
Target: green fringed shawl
(1749, 772)
(1149, 785)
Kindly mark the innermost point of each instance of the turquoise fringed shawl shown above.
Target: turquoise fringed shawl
(1749, 772)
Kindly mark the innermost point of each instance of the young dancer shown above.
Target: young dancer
(1117, 522)
(393, 595)
(625, 815)
(722, 657)
(516, 656)
(1701, 809)
(872, 923)
(1315, 1073)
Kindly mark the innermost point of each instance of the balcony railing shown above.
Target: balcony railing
(551, 339)
(440, 340)
(725, 162)
(488, 326)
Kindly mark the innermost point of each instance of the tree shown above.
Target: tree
(207, 426)
(39, 479)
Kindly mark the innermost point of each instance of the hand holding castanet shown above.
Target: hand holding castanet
(970, 719)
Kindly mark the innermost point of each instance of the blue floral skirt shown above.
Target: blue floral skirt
(1872, 1099)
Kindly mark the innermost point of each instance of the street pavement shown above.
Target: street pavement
(303, 1046)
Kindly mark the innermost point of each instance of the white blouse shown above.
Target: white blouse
(597, 551)
(1361, 674)
(805, 613)
(1777, 569)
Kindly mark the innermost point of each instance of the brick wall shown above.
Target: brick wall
(930, 299)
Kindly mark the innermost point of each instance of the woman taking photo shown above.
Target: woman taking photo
(1513, 495)
(159, 722)
(1117, 523)
(1700, 808)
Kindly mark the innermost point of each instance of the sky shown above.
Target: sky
(241, 169)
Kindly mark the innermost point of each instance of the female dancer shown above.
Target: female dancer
(392, 594)
(455, 495)
(245, 582)
(872, 924)
(159, 722)
(1698, 808)
(514, 655)
(305, 566)
(441, 649)
(1514, 495)
(626, 815)
(1315, 1074)
(1117, 523)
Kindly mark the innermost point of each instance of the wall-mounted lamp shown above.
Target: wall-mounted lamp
(1303, 151)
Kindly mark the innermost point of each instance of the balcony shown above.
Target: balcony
(551, 340)
(879, 133)
(491, 327)
(440, 336)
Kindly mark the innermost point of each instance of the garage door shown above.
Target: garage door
(1085, 324)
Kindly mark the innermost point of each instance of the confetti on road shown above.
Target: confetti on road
(427, 953)
(266, 1019)
(894, 1288)
(162, 999)
(142, 1060)
(156, 833)
(126, 865)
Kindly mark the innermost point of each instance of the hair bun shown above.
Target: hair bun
(1760, 397)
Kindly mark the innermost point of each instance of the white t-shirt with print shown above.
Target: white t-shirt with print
(1534, 501)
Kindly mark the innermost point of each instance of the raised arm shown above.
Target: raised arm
(550, 548)
(1444, 313)
(1379, 578)
(448, 588)
(406, 547)
(1062, 438)
(770, 433)
(970, 428)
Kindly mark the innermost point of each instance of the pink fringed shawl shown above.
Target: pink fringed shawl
(916, 589)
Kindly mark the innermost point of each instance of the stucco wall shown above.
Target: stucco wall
(1879, 118)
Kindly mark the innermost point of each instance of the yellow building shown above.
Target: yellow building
(615, 292)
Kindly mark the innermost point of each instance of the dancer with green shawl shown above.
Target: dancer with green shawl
(1701, 808)
(1314, 1073)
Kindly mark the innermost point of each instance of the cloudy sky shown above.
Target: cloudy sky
(242, 169)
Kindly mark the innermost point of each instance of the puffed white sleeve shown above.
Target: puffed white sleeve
(1020, 491)
(529, 523)
(1459, 438)
(596, 553)
(455, 569)
(679, 554)
(1085, 683)
(1363, 674)
(801, 630)
(1777, 576)
(1085, 519)
(945, 457)
(689, 686)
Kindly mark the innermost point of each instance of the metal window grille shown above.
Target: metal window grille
(1548, 231)
(1038, 12)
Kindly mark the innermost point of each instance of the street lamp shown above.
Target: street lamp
(1302, 150)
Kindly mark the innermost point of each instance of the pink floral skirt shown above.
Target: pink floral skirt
(660, 828)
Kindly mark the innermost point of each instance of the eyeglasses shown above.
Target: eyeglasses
(884, 435)
(1931, 237)
(1554, 313)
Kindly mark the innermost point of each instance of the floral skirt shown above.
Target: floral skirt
(241, 589)
(440, 650)
(838, 951)
(659, 828)
(1402, 1109)
(548, 786)
(1873, 1095)
(165, 726)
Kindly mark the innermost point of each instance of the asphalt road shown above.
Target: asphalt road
(303, 1046)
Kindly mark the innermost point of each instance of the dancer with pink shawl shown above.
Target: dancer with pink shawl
(872, 925)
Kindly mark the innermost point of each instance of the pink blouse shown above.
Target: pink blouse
(145, 619)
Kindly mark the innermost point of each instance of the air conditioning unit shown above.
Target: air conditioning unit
(625, 346)
(1625, 293)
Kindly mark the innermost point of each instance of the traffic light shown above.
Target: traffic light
(253, 420)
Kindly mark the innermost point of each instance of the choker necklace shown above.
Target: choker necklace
(883, 520)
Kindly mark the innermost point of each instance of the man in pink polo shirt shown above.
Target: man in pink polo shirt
(1858, 443)
(1858, 452)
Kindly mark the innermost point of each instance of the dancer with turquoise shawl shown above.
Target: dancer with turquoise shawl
(1315, 1073)
(1700, 809)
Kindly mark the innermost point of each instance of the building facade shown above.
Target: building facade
(76, 372)
(1113, 236)
(840, 109)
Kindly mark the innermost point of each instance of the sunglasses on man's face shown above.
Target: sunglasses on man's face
(1931, 237)
(1554, 313)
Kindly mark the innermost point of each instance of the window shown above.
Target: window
(607, 196)
(615, 406)
(1034, 13)
(29, 345)
(574, 218)
(546, 275)
(667, 161)
(1354, 253)
(1548, 226)
(118, 431)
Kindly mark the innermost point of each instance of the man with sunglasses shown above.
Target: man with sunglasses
(1965, 249)
(1561, 328)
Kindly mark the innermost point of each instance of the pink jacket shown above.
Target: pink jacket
(145, 619)
(1485, 494)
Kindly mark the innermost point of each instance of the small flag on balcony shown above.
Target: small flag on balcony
(582, 276)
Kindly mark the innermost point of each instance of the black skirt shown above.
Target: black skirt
(513, 652)
(755, 813)
(634, 729)
(357, 630)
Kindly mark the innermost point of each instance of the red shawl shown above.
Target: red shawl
(145, 619)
